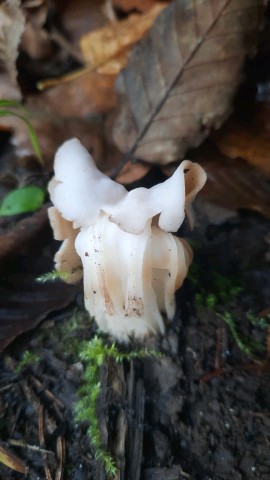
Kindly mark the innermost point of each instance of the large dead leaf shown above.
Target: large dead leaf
(106, 49)
(180, 80)
(248, 139)
(24, 303)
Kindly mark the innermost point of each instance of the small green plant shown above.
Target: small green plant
(13, 108)
(28, 358)
(261, 322)
(208, 301)
(214, 288)
(31, 197)
(245, 344)
(94, 354)
(22, 200)
(52, 276)
(219, 291)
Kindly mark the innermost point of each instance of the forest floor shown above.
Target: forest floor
(199, 412)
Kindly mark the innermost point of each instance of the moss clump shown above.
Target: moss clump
(52, 276)
(28, 358)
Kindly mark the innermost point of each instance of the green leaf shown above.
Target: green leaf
(22, 200)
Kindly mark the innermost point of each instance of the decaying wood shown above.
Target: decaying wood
(122, 391)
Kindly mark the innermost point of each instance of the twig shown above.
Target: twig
(34, 448)
(42, 441)
(61, 457)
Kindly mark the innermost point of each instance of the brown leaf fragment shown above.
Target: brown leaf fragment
(79, 94)
(141, 5)
(132, 172)
(235, 185)
(12, 461)
(106, 49)
(36, 40)
(11, 29)
(247, 140)
(80, 17)
(181, 78)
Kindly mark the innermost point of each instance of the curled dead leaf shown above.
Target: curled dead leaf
(106, 49)
(12, 461)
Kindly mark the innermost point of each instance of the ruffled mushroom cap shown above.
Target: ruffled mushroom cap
(132, 266)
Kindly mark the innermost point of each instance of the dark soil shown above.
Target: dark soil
(200, 412)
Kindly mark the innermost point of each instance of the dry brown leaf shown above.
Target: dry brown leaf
(81, 16)
(12, 461)
(249, 140)
(141, 5)
(36, 40)
(132, 172)
(180, 80)
(106, 49)
(23, 301)
(233, 183)
(78, 95)
(11, 29)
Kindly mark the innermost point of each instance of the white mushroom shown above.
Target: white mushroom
(132, 266)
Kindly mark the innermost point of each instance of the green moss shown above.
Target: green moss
(52, 276)
(245, 344)
(216, 292)
(260, 322)
(28, 358)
